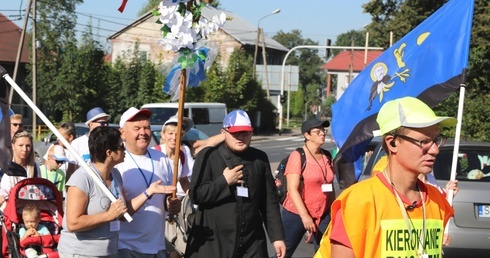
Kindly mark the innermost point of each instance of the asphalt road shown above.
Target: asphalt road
(277, 148)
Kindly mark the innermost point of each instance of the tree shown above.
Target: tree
(152, 4)
(55, 30)
(345, 39)
(235, 86)
(306, 59)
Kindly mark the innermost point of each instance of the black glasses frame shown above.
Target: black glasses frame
(424, 144)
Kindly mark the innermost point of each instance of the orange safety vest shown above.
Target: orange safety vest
(375, 226)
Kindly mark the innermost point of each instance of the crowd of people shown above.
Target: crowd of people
(232, 186)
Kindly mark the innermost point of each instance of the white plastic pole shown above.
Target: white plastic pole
(50, 125)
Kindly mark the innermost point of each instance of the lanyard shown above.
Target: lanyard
(405, 216)
(113, 187)
(141, 171)
(321, 168)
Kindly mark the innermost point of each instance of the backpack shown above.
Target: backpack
(280, 179)
(181, 153)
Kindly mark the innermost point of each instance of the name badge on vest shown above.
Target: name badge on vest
(327, 188)
(242, 191)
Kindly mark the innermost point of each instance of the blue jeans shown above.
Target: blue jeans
(295, 230)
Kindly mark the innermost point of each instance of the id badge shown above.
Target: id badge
(115, 225)
(242, 191)
(327, 188)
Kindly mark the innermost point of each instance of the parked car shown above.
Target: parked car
(42, 146)
(189, 138)
(470, 226)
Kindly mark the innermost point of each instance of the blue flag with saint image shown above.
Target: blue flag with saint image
(426, 63)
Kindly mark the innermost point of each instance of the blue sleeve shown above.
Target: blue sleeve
(22, 231)
(42, 230)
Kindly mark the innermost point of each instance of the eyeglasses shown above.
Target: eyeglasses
(102, 123)
(319, 131)
(60, 162)
(17, 124)
(424, 144)
(239, 134)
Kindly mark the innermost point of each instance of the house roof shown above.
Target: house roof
(238, 28)
(10, 35)
(342, 61)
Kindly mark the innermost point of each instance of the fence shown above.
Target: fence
(41, 131)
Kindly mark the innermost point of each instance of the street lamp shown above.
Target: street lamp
(258, 36)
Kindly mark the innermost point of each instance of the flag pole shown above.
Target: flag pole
(81, 162)
(180, 117)
(457, 136)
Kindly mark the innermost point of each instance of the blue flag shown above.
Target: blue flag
(5, 112)
(426, 63)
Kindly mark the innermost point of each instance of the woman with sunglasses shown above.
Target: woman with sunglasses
(309, 188)
(91, 222)
(22, 166)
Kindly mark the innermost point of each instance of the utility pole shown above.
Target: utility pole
(34, 68)
(265, 67)
(256, 50)
(19, 50)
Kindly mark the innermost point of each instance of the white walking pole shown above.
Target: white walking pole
(4, 74)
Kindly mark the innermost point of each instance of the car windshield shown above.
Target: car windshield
(473, 164)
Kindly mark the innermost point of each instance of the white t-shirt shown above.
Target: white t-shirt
(185, 171)
(80, 145)
(146, 233)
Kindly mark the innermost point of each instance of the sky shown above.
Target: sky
(317, 19)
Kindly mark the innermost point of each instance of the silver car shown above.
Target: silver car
(470, 226)
(42, 146)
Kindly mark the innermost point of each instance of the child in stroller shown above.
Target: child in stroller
(45, 197)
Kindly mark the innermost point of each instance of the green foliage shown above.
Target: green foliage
(235, 86)
(150, 5)
(345, 39)
(307, 59)
(297, 103)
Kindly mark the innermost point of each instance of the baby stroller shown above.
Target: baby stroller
(45, 196)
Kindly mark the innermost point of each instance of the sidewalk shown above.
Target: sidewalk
(290, 132)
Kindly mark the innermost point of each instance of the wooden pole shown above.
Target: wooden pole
(178, 140)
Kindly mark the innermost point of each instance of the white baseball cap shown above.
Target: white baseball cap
(131, 113)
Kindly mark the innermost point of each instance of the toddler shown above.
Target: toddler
(31, 217)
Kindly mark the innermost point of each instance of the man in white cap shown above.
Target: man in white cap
(394, 214)
(234, 188)
(145, 235)
(95, 117)
(51, 168)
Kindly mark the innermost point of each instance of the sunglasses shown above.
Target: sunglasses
(17, 124)
(102, 123)
(60, 162)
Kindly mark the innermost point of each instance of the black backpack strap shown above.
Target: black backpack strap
(302, 157)
(329, 156)
(224, 155)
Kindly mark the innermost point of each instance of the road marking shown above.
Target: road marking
(290, 138)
